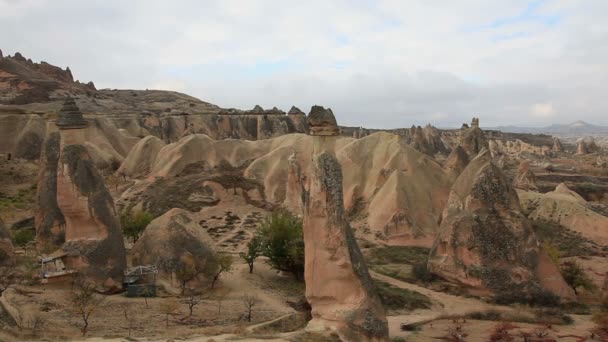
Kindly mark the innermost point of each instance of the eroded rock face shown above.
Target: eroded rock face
(525, 178)
(473, 140)
(7, 256)
(486, 242)
(93, 238)
(50, 223)
(180, 248)
(338, 285)
(581, 147)
(457, 161)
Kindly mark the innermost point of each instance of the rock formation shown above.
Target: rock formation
(486, 242)
(457, 161)
(581, 147)
(93, 239)
(338, 285)
(473, 139)
(557, 145)
(525, 178)
(567, 208)
(49, 220)
(7, 256)
(295, 111)
(180, 248)
(142, 156)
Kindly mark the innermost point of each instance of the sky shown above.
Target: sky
(378, 64)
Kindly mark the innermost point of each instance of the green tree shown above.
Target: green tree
(224, 265)
(134, 224)
(254, 250)
(282, 241)
(23, 237)
(576, 277)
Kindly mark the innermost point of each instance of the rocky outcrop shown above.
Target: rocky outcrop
(557, 145)
(181, 250)
(525, 178)
(142, 156)
(49, 220)
(338, 285)
(569, 209)
(472, 140)
(295, 111)
(403, 190)
(94, 245)
(486, 242)
(581, 147)
(457, 161)
(7, 256)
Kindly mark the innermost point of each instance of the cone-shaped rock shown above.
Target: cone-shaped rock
(487, 243)
(557, 145)
(70, 116)
(581, 147)
(473, 139)
(338, 285)
(295, 111)
(457, 161)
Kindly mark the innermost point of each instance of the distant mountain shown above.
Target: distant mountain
(577, 127)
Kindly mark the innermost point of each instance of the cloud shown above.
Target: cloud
(385, 63)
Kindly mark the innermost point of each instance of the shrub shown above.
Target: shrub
(576, 277)
(134, 224)
(282, 241)
(422, 273)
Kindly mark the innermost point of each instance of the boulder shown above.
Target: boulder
(338, 285)
(180, 249)
(486, 242)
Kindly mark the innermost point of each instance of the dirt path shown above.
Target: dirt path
(445, 305)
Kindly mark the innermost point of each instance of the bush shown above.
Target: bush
(399, 255)
(133, 225)
(282, 241)
(24, 236)
(576, 277)
(422, 273)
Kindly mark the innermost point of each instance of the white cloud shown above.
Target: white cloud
(378, 64)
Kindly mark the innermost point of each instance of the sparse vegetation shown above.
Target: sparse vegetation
(576, 277)
(84, 302)
(395, 298)
(168, 307)
(23, 237)
(249, 301)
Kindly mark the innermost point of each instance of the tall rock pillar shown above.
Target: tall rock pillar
(338, 285)
(94, 244)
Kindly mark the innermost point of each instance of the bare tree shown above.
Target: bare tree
(84, 302)
(185, 274)
(128, 313)
(219, 297)
(192, 300)
(37, 323)
(224, 262)
(249, 301)
(168, 307)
